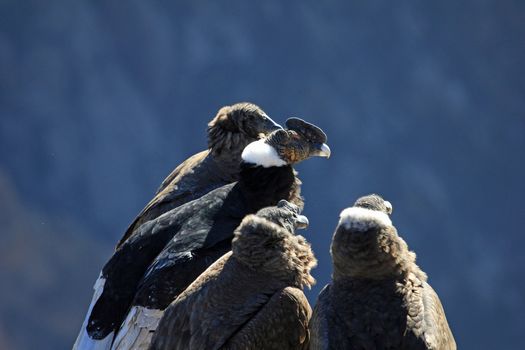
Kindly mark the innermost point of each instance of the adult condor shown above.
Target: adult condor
(379, 297)
(232, 129)
(251, 298)
(166, 254)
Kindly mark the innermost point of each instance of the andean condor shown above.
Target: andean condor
(251, 298)
(164, 255)
(232, 129)
(379, 298)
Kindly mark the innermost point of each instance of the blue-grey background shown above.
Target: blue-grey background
(423, 102)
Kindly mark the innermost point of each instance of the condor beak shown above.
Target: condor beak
(301, 222)
(322, 150)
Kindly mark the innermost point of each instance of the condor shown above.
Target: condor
(166, 254)
(255, 291)
(379, 298)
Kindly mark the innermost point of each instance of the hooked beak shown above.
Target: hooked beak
(301, 222)
(322, 150)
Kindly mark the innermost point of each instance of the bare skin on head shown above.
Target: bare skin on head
(255, 291)
(229, 132)
(379, 298)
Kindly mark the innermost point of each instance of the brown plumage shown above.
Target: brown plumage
(252, 297)
(379, 298)
(229, 132)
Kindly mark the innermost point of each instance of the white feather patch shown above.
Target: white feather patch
(362, 219)
(137, 329)
(261, 153)
(84, 341)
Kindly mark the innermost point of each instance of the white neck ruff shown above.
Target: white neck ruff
(261, 153)
(362, 219)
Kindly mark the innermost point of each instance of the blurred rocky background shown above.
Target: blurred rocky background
(423, 102)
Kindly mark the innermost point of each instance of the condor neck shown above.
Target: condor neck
(264, 187)
(373, 257)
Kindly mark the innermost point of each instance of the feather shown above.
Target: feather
(84, 341)
(137, 329)
(281, 323)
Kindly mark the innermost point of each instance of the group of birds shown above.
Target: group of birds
(214, 262)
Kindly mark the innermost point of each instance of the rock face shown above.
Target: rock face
(98, 102)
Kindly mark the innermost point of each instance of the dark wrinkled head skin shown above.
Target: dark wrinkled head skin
(309, 131)
(374, 202)
(304, 141)
(286, 215)
(236, 126)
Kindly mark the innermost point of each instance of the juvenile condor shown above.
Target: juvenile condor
(251, 298)
(232, 129)
(379, 298)
(166, 254)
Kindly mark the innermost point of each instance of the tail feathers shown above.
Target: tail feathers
(84, 341)
(137, 329)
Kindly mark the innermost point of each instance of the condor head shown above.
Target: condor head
(364, 239)
(300, 141)
(285, 214)
(236, 126)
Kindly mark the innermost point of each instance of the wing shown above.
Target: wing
(84, 341)
(137, 329)
(427, 326)
(319, 324)
(173, 271)
(281, 323)
(204, 238)
(123, 272)
(130, 263)
(175, 328)
(195, 247)
(437, 332)
(172, 194)
(215, 307)
(194, 221)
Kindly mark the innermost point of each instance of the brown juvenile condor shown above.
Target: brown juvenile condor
(251, 298)
(166, 254)
(379, 298)
(232, 129)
